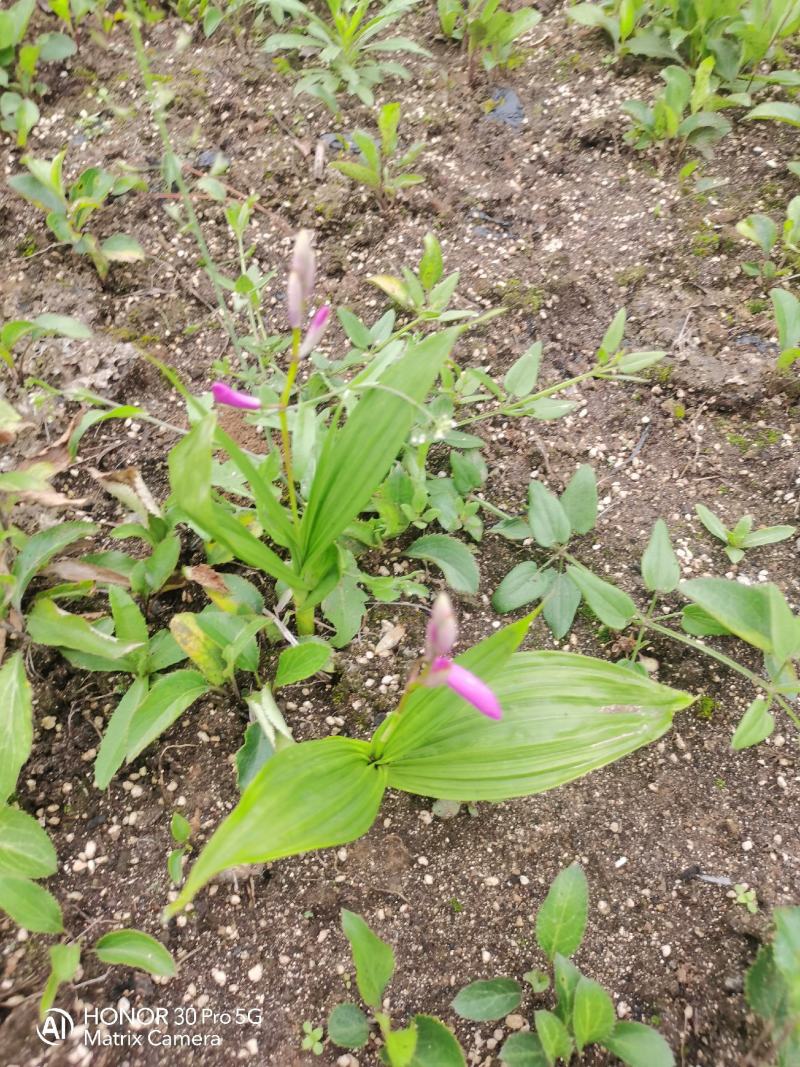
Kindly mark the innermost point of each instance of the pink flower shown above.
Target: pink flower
(232, 398)
(304, 262)
(444, 672)
(295, 300)
(319, 325)
(442, 629)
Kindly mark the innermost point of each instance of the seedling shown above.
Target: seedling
(746, 897)
(787, 318)
(312, 1038)
(380, 171)
(762, 231)
(69, 208)
(771, 988)
(181, 831)
(487, 29)
(742, 536)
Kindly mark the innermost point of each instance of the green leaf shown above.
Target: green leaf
(548, 519)
(312, 795)
(114, 746)
(256, 749)
(129, 623)
(561, 920)
(639, 1046)
(301, 661)
(356, 331)
(609, 604)
(25, 849)
(348, 1026)
(39, 549)
(357, 172)
(522, 375)
(431, 265)
(554, 1036)
(767, 535)
(757, 614)
(661, 571)
(63, 325)
(714, 525)
(593, 1015)
(485, 1001)
(761, 230)
(64, 963)
(30, 905)
(180, 828)
(612, 338)
(755, 725)
(456, 561)
(696, 621)
(786, 943)
(563, 715)
(539, 981)
(560, 605)
(356, 457)
(49, 625)
(133, 948)
(16, 723)
(579, 500)
(171, 695)
(565, 981)
(777, 111)
(344, 608)
(521, 585)
(436, 1045)
(373, 958)
(201, 649)
(525, 1049)
(122, 248)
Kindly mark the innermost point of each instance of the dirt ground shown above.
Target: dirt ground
(563, 223)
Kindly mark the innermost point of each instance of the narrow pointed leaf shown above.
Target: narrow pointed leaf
(16, 723)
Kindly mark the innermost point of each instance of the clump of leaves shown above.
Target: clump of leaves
(772, 987)
(742, 536)
(380, 171)
(69, 208)
(583, 1013)
(763, 232)
(787, 318)
(487, 29)
(425, 1042)
(312, 1038)
(346, 47)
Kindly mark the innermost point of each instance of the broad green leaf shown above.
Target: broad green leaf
(554, 1036)
(133, 948)
(766, 989)
(122, 248)
(63, 325)
(639, 1046)
(786, 943)
(560, 605)
(755, 725)
(348, 1026)
(521, 585)
(757, 614)
(561, 920)
(356, 331)
(634, 362)
(373, 958)
(64, 963)
(16, 723)
(761, 230)
(563, 716)
(308, 796)
(357, 172)
(661, 571)
(513, 529)
(356, 457)
(256, 749)
(180, 828)
(394, 288)
(548, 519)
(714, 525)
(301, 661)
(579, 500)
(114, 746)
(453, 557)
(171, 695)
(400, 1045)
(344, 607)
(485, 1001)
(55, 47)
(30, 905)
(39, 549)
(525, 1049)
(201, 649)
(25, 849)
(431, 265)
(436, 1044)
(129, 623)
(609, 604)
(696, 621)
(767, 535)
(388, 121)
(521, 377)
(593, 1015)
(565, 981)
(777, 111)
(49, 625)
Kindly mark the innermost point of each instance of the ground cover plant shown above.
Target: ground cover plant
(398, 532)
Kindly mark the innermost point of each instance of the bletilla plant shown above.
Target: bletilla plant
(561, 716)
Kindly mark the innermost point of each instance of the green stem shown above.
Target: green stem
(640, 635)
(286, 444)
(304, 620)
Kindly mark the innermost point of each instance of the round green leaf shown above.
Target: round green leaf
(639, 1046)
(454, 558)
(521, 585)
(436, 1045)
(485, 1001)
(133, 948)
(348, 1026)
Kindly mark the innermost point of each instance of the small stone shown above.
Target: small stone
(49, 722)
(255, 973)
(666, 951)
(603, 907)
(219, 976)
(623, 1009)
(514, 1022)
(747, 845)
(486, 955)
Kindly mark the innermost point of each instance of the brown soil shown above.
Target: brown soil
(564, 224)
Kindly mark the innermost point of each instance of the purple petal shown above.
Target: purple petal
(295, 299)
(442, 628)
(304, 262)
(473, 690)
(232, 398)
(319, 325)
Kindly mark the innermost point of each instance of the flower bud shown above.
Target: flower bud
(304, 262)
(442, 629)
(294, 300)
(232, 398)
(319, 325)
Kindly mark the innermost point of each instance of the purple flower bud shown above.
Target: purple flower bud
(476, 692)
(442, 629)
(232, 398)
(304, 262)
(295, 300)
(319, 325)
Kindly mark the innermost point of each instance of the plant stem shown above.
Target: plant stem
(304, 620)
(286, 444)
